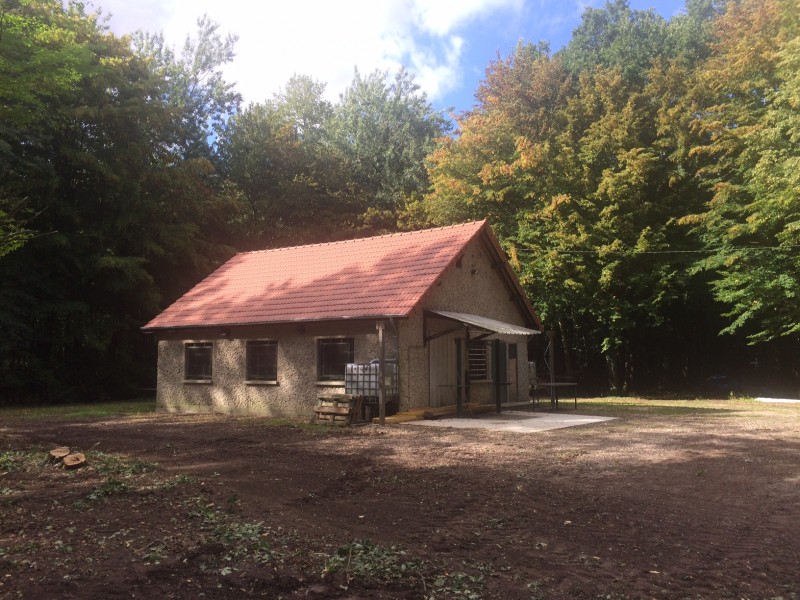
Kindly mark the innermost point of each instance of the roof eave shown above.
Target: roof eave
(159, 329)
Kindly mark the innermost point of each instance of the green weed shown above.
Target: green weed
(109, 487)
(13, 461)
(181, 479)
(206, 512)
(116, 465)
(240, 539)
(155, 553)
(366, 561)
(458, 585)
(244, 539)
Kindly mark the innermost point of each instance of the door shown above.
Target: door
(444, 361)
(513, 382)
(500, 371)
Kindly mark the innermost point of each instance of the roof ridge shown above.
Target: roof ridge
(361, 239)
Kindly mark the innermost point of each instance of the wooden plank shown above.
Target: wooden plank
(338, 409)
(476, 409)
(338, 397)
(418, 414)
(395, 419)
(439, 410)
(355, 410)
(332, 410)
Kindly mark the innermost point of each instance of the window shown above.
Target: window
(479, 361)
(197, 361)
(332, 356)
(262, 360)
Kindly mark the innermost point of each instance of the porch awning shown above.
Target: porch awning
(485, 323)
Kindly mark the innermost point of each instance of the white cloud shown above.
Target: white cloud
(323, 39)
(438, 77)
(440, 17)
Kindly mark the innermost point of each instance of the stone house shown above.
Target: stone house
(270, 331)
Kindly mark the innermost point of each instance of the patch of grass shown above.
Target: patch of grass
(289, 423)
(12, 461)
(122, 475)
(109, 487)
(246, 539)
(23, 549)
(241, 540)
(456, 585)
(205, 511)
(120, 466)
(156, 552)
(181, 479)
(84, 410)
(624, 406)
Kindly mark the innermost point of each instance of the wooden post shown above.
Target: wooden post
(459, 372)
(496, 374)
(551, 358)
(465, 363)
(381, 374)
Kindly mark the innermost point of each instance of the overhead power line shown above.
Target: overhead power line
(632, 252)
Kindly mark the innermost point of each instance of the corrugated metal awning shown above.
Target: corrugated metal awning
(485, 323)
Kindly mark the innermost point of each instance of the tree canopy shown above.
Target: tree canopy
(129, 170)
(644, 180)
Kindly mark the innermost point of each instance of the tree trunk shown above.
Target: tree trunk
(616, 371)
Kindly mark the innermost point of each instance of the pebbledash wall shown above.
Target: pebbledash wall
(296, 390)
(473, 287)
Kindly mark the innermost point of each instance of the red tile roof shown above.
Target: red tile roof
(372, 277)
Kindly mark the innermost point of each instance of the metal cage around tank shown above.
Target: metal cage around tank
(363, 380)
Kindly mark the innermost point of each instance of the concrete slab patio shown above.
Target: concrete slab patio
(779, 400)
(514, 421)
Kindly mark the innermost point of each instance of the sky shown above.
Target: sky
(445, 44)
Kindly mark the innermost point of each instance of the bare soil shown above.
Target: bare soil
(665, 502)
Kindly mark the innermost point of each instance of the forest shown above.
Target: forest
(644, 181)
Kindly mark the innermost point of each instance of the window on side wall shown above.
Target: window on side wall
(480, 361)
(262, 360)
(197, 361)
(332, 356)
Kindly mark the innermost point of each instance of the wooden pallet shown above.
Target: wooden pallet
(338, 409)
(418, 414)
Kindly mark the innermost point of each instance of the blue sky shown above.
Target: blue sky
(446, 44)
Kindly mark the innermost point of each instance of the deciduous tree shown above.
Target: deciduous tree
(752, 129)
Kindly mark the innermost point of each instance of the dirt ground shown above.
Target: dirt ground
(667, 501)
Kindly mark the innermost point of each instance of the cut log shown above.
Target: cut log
(74, 460)
(58, 454)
